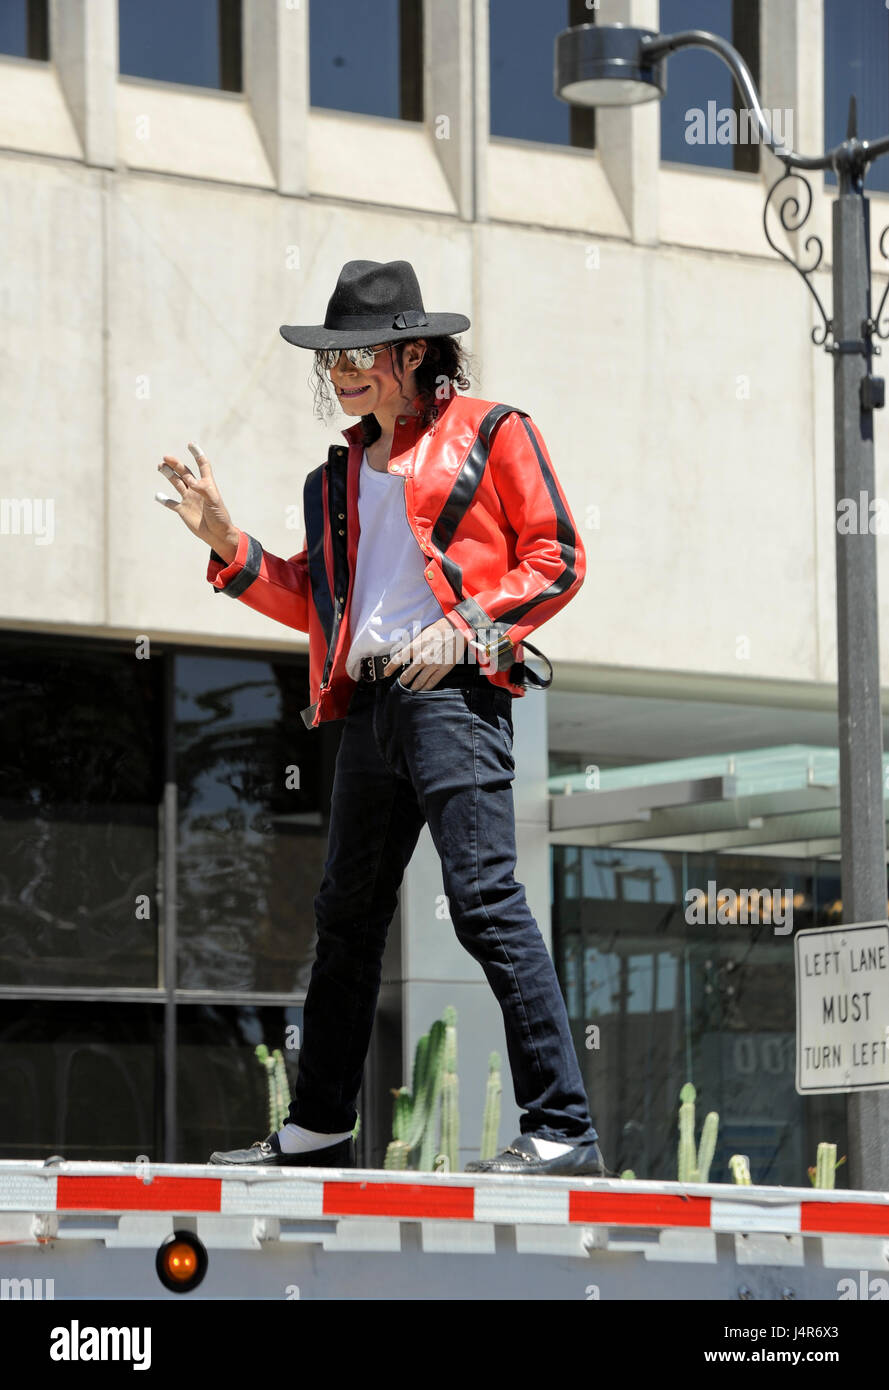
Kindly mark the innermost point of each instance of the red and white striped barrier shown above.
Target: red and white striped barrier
(316, 1194)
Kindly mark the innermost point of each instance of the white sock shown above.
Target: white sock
(296, 1140)
(548, 1148)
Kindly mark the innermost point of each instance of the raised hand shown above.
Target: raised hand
(200, 505)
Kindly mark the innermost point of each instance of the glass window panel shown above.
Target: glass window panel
(80, 1080)
(14, 28)
(828, 906)
(697, 81)
(24, 28)
(222, 1087)
(174, 42)
(667, 981)
(856, 63)
(601, 983)
(676, 1001)
(571, 974)
(355, 57)
(80, 787)
(252, 843)
(522, 47)
(639, 989)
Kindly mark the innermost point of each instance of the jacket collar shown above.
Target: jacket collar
(412, 423)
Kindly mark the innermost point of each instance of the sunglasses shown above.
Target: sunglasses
(363, 357)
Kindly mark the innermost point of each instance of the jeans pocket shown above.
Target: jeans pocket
(423, 692)
(505, 724)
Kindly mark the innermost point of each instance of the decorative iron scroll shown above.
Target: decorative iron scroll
(875, 320)
(792, 219)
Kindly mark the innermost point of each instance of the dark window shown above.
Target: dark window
(222, 1086)
(83, 1080)
(80, 788)
(90, 733)
(704, 119)
(856, 63)
(367, 58)
(198, 43)
(676, 1002)
(251, 839)
(24, 28)
(90, 736)
(86, 1080)
(522, 48)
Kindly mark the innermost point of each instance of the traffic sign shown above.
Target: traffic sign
(842, 1008)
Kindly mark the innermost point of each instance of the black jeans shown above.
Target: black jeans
(442, 756)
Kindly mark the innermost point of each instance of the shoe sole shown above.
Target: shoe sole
(540, 1172)
(559, 1167)
(283, 1161)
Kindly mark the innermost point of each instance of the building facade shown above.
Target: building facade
(171, 194)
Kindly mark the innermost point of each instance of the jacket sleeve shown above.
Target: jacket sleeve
(278, 588)
(551, 561)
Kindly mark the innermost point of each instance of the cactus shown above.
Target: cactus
(262, 1056)
(708, 1146)
(695, 1166)
(687, 1161)
(426, 1118)
(268, 1061)
(396, 1155)
(740, 1169)
(628, 1175)
(450, 1115)
(279, 1088)
(491, 1120)
(277, 1083)
(413, 1121)
(282, 1087)
(823, 1175)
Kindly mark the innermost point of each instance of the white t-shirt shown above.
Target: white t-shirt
(391, 598)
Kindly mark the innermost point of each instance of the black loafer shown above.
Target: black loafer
(266, 1153)
(583, 1160)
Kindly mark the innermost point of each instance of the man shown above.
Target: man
(434, 544)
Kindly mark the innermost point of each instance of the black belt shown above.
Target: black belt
(377, 668)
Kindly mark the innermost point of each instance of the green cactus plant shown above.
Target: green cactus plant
(426, 1117)
(491, 1118)
(282, 1087)
(450, 1115)
(739, 1165)
(278, 1087)
(694, 1166)
(413, 1121)
(823, 1175)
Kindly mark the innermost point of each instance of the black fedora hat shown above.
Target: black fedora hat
(374, 302)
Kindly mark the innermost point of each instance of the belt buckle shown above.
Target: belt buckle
(370, 671)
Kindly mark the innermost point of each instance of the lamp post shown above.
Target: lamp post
(617, 65)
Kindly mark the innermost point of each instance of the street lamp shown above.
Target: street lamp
(617, 65)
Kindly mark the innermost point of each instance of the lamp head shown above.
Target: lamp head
(606, 65)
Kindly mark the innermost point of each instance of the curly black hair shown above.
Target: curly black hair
(443, 369)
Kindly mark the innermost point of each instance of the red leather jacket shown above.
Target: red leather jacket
(484, 503)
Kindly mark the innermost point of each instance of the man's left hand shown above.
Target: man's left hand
(434, 652)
